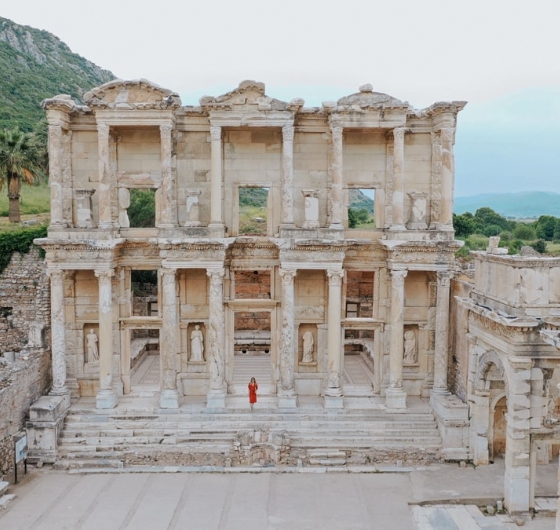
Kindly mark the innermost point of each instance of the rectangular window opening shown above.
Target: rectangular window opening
(359, 294)
(142, 208)
(253, 211)
(361, 208)
(144, 289)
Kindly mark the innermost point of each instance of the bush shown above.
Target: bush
(18, 241)
(524, 232)
(491, 230)
(515, 246)
(540, 246)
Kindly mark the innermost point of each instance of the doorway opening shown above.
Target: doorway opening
(253, 211)
(359, 365)
(145, 369)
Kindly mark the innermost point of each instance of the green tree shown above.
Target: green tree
(486, 216)
(524, 231)
(545, 226)
(142, 209)
(539, 245)
(352, 218)
(464, 224)
(20, 161)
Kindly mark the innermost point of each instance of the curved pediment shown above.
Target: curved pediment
(135, 94)
(366, 97)
(250, 95)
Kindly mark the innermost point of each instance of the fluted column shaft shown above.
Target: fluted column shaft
(288, 175)
(397, 329)
(104, 190)
(58, 330)
(447, 177)
(334, 335)
(216, 338)
(216, 217)
(168, 203)
(106, 397)
(337, 178)
(55, 174)
(398, 179)
(442, 332)
(169, 397)
(288, 339)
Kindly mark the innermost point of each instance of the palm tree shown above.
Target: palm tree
(20, 161)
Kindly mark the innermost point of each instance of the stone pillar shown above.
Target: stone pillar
(435, 202)
(169, 398)
(288, 175)
(216, 340)
(216, 218)
(447, 178)
(398, 179)
(58, 329)
(286, 393)
(168, 203)
(105, 218)
(442, 332)
(55, 174)
(395, 396)
(333, 392)
(337, 178)
(106, 397)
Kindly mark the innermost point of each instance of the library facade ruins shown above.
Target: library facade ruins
(192, 247)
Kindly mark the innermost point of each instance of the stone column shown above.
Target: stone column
(442, 332)
(216, 340)
(105, 218)
(447, 178)
(435, 210)
(395, 396)
(169, 398)
(58, 329)
(337, 177)
(333, 392)
(106, 396)
(286, 393)
(55, 174)
(168, 201)
(216, 218)
(398, 179)
(288, 175)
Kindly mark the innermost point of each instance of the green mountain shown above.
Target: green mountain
(35, 65)
(525, 204)
(358, 200)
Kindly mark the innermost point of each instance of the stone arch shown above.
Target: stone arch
(487, 360)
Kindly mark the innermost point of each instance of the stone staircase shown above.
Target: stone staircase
(315, 437)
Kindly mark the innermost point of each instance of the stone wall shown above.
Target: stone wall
(24, 332)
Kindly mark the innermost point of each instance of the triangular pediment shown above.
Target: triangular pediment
(367, 98)
(135, 94)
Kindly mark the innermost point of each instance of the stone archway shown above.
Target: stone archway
(497, 427)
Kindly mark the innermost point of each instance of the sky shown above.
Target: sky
(502, 56)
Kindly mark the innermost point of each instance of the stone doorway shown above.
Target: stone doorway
(358, 364)
(499, 425)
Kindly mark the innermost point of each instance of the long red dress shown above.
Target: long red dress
(253, 387)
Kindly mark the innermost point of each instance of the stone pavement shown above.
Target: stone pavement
(265, 499)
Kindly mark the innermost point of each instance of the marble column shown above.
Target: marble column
(169, 397)
(333, 392)
(55, 174)
(395, 396)
(216, 340)
(286, 392)
(337, 179)
(58, 330)
(447, 178)
(104, 189)
(288, 175)
(398, 179)
(442, 332)
(168, 205)
(435, 210)
(216, 215)
(106, 396)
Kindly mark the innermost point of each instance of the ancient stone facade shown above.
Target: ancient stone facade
(318, 283)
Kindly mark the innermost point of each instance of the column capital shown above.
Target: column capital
(215, 132)
(288, 133)
(167, 271)
(398, 274)
(336, 131)
(448, 134)
(216, 274)
(335, 276)
(287, 275)
(444, 278)
(103, 129)
(398, 133)
(104, 275)
(165, 129)
(56, 275)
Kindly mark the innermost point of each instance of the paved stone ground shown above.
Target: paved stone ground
(57, 500)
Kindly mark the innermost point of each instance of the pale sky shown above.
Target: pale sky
(420, 51)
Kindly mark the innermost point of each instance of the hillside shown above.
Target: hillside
(35, 65)
(523, 205)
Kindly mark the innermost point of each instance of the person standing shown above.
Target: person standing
(253, 387)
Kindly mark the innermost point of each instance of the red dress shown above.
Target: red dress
(253, 387)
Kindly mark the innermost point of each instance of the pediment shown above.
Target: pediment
(367, 98)
(248, 96)
(135, 94)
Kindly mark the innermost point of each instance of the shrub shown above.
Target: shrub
(524, 232)
(539, 245)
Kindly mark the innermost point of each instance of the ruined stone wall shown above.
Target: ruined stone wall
(25, 370)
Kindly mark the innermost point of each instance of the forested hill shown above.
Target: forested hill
(34, 65)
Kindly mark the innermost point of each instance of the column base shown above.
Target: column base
(64, 395)
(287, 401)
(398, 228)
(217, 229)
(336, 226)
(169, 399)
(333, 402)
(106, 399)
(395, 398)
(216, 400)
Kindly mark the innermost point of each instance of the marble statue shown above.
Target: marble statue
(92, 350)
(308, 347)
(197, 344)
(410, 356)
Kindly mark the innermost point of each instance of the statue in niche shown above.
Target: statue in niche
(92, 350)
(308, 347)
(197, 344)
(410, 353)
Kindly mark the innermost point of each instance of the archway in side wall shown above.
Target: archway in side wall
(498, 428)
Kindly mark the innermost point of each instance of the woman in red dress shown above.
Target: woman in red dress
(253, 387)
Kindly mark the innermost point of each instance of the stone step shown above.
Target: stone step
(327, 461)
(80, 463)
(4, 486)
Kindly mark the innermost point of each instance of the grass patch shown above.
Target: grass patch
(252, 220)
(34, 200)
